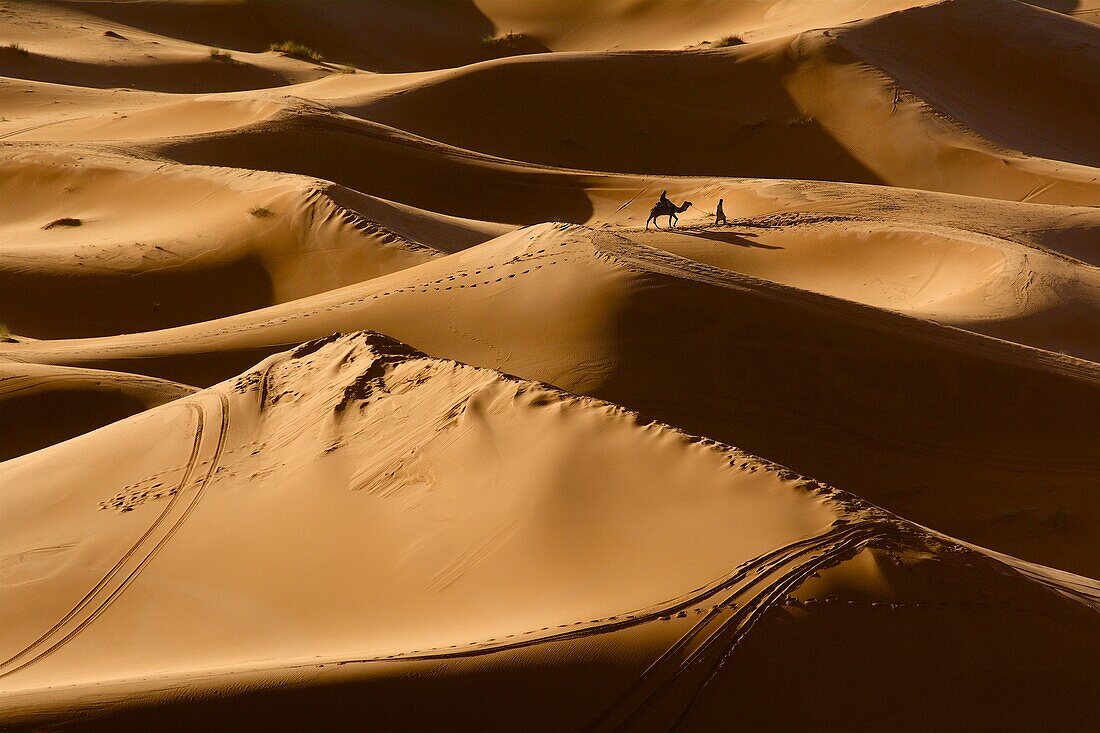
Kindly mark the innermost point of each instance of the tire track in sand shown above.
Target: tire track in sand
(703, 650)
(116, 581)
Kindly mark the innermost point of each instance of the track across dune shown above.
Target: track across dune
(672, 630)
(137, 557)
(793, 365)
(353, 372)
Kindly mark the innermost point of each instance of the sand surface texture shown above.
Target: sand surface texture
(348, 387)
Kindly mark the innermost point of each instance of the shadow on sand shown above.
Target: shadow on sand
(725, 237)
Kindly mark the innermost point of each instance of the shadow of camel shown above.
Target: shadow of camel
(726, 237)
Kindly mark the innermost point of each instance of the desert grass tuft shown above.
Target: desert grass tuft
(729, 41)
(216, 54)
(296, 50)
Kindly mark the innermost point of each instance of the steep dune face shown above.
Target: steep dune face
(500, 517)
(874, 401)
(394, 165)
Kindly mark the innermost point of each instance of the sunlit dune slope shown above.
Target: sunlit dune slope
(983, 283)
(353, 523)
(882, 404)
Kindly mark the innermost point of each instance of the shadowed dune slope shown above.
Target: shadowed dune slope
(394, 165)
(358, 385)
(1019, 76)
(505, 534)
(46, 42)
(867, 399)
(702, 113)
(982, 283)
(387, 35)
(115, 245)
(384, 35)
(829, 105)
(44, 405)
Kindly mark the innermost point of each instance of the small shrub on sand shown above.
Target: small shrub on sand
(505, 41)
(346, 70)
(511, 44)
(67, 221)
(296, 50)
(216, 54)
(16, 48)
(261, 213)
(5, 332)
(729, 41)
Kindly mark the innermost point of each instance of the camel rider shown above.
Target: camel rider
(663, 202)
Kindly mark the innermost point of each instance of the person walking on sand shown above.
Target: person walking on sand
(719, 214)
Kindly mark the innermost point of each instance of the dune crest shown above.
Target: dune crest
(556, 507)
(351, 377)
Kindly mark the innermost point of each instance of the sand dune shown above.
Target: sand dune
(389, 35)
(123, 245)
(592, 313)
(1042, 77)
(502, 517)
(44, 405)
(979, 282)
(778, 129)
(67, 45)
(357, 392)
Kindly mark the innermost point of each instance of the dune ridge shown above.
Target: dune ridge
(347, 382)
(384, 384)
(616, 312)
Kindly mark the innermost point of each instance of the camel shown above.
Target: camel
(670, 210)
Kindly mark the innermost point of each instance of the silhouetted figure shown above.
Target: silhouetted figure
(719, 214)
(665, 207)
